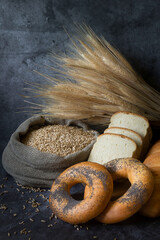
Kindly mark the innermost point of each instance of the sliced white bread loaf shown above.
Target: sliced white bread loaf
(128, 133)
(134, 122)
(110, 146)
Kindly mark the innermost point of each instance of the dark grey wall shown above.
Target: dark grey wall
(30, 29)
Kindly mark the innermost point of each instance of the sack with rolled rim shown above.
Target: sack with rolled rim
(31, 167)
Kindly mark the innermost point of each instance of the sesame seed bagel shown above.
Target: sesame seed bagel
(100, 187)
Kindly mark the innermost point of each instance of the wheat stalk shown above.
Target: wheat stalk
(99, 82)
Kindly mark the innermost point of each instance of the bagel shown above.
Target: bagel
(120, 187)
(139, 192)
(152, 207)
(100, 187)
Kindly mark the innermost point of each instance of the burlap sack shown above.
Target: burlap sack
(32, 167)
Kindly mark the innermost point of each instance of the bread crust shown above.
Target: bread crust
(130, 113)
(135, 154)
(128, 130)
(146, 139)
(155, 148)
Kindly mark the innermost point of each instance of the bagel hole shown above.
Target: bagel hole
(77, 191)
(120, 186)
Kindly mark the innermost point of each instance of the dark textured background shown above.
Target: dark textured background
(28, 31)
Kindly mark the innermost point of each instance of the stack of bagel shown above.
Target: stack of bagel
(117, 154)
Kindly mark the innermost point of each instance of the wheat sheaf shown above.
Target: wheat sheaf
(98, 81)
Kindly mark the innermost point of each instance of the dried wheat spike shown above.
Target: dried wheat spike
(99, 83)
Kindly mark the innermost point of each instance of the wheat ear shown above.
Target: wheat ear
(99, 83)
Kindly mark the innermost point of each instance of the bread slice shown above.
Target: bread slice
(110, 146)
(134, 122)
(128, 133)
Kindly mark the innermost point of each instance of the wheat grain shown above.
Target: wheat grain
(58, 139)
